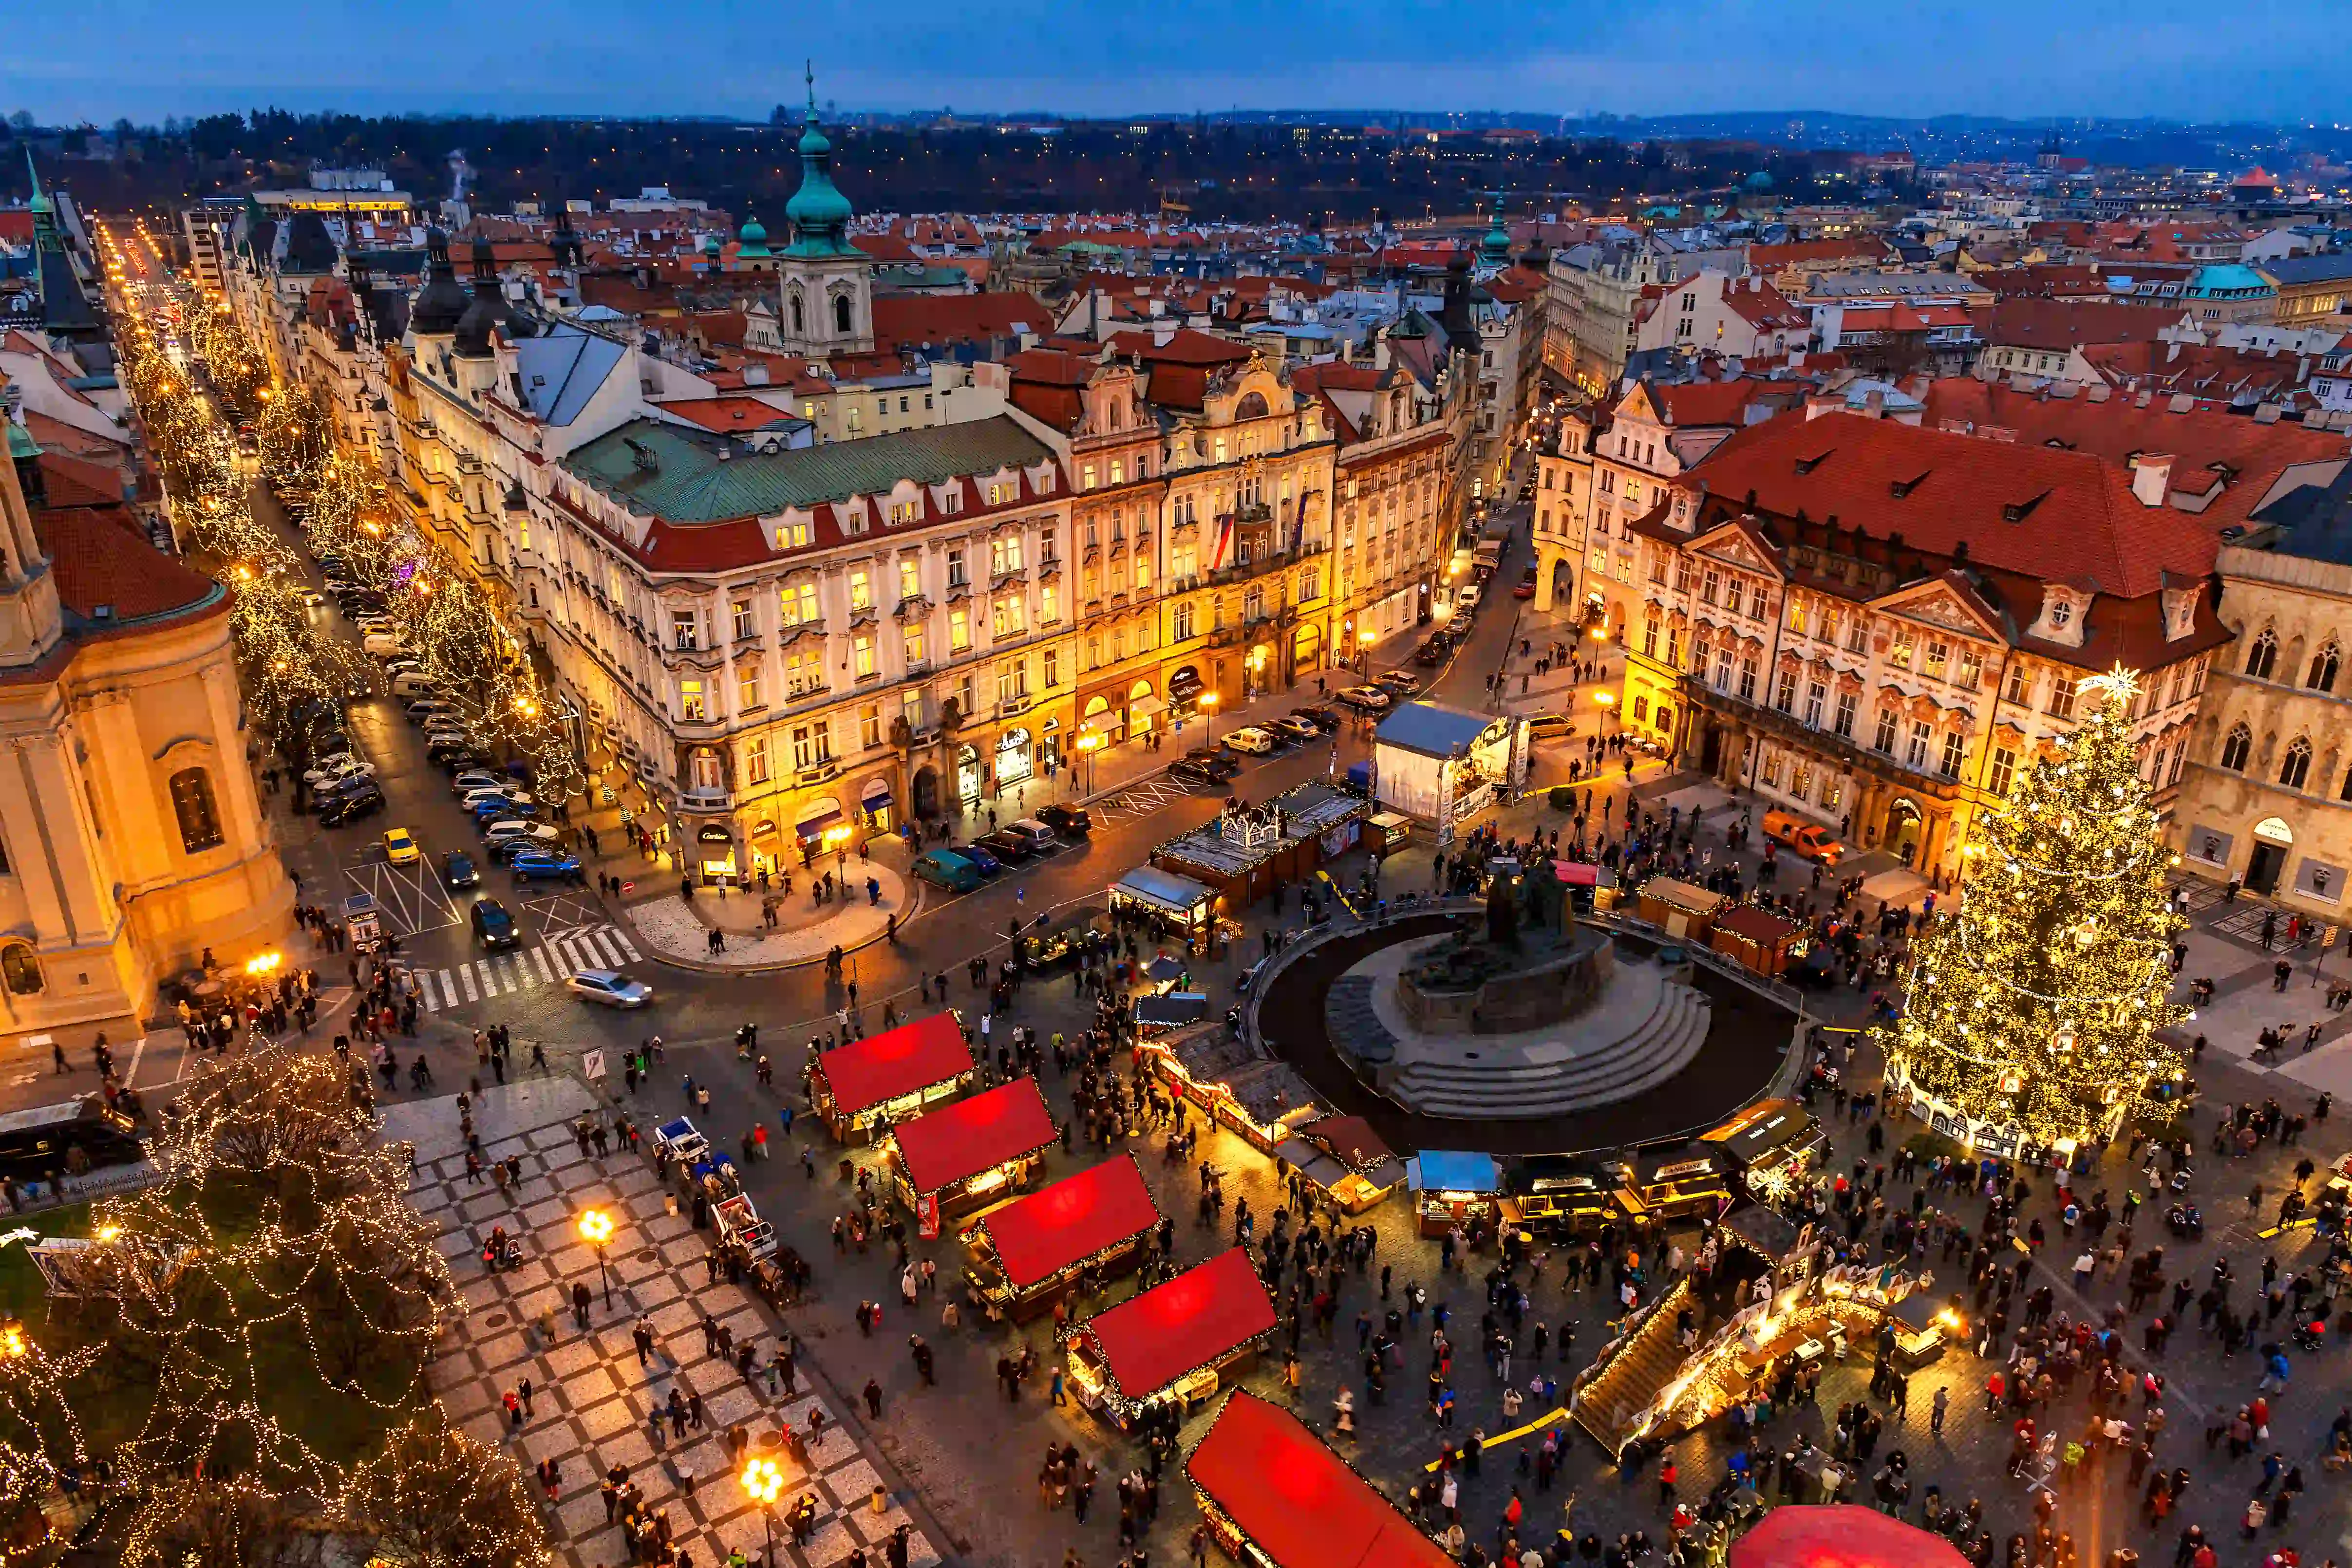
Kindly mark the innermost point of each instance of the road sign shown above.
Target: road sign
(628, 887)
(591, 1064)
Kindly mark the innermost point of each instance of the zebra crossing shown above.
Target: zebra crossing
(546, 963)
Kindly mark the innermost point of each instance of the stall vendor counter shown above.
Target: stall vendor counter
(1453, 1188)
(962, 1156)
(861, 1088)
(1172, 1342)
(1025, 1255)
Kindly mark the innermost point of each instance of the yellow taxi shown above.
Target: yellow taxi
(399, 846)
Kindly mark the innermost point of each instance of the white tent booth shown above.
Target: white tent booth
(1443, 765)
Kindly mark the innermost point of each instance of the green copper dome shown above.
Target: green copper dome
(1496, 248)
(820, 213)
(752, 239)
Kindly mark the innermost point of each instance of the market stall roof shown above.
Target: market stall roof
(1763, 1128)
(1683, 895)
(866, 1073)
(1150, 1341)
(1348, 1139)
(1840, 1535)
(1432, 729)
(1162, 888)
(1039, 1236)
(1760, 926)
(942, 1148)
(1444, 1170)
(1296, 1499)
(1168, 1011)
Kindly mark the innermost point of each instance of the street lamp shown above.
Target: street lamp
(761, 1483)
(1606, 701)
(1089, 744)
(596, 1229)
(1209, 707)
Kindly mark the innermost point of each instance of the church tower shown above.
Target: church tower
(824, 284)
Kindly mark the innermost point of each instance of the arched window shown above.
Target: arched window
(840, 314)
(1251, 406)
(21, 971)
(2261, 653)
(191, 800)
(800, 324)
(2324, 666)
(2296, 766)
(2234, 749)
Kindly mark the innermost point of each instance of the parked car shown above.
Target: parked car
(1549, 726)
(1220, 766)
(984, 862)
(454, 755)
(412, 682)
(1297, 729)
(945, 868)
(610, 986)
(383, 644)
(1466, 597)
(1070, 821)
(1432, 653)
(1403, 683)
(544, 865)
(1036, 835)
(431, 712)
(1368, 699)
(473, 780)
(502, 847)
(1527, 588)
(494, 927)
(400, 846)
(334, 769)
(364, 802)
(1197, 775)
(1322, 719)
(458, 869)
(504, 809)
(1007, 846)
(1249, 737)
(498, 791)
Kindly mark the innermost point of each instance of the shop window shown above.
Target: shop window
(21, 971)
(192, 801)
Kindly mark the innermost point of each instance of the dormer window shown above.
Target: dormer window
(2062, 612)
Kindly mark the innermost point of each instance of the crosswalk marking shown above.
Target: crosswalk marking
(549, 962)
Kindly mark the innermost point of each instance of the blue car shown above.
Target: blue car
(986, 863)
(534, 864)
(495, 811)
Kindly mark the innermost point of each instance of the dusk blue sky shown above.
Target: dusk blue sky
(2278, 60)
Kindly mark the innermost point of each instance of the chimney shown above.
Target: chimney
(1874, 403)
(1820, 403)
(2152, 477)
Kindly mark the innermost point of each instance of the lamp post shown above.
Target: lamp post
(596, 1229)
(1605, 701)
(761, 1482)
(1209, 707)
(1089, 744)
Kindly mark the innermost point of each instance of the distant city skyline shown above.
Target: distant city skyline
(2271, 62)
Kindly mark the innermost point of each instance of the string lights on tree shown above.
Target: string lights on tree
(2032, 1012)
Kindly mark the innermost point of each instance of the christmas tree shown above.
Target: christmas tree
(2033, 1010)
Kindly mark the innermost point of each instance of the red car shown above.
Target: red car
(1527, 588)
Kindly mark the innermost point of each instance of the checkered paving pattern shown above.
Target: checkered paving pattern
(590, 1397)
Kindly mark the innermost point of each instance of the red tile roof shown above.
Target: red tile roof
(2059, 325)
(70, 481)
(729, 414)
(942, 1148)
(912, 320)
(1185, 346)
(1152, 1340)
(2079, 521)
(1071, 1221)
(100, 562)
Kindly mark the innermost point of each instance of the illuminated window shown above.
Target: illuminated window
(862, 654)
(690, 701)
(192, 801)
(914, 645)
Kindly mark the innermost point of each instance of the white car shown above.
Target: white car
(336, 769)
(473, 781)
(609, 986)
(1466, 597)
(448, 738)
(1249, 737)
(481, 792)
(382, 644)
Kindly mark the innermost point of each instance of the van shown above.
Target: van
(1810, 839)
(414, 684)
(1036, 834)
(946, 868)
(382, 644)
(1549, 726)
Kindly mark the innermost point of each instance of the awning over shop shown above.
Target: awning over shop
(817, 818)
(1147, 707)
(877, 793)
(1184, 683)
(1101, 723)
(1161, 890)
(1168, 1011)
(1069, 1222)
(1442, 1170)
(1299, 1502)
(1840, 1535)
(1151, 1341)
(867, 1073)
(944, 1147)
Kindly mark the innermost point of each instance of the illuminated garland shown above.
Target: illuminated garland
(2035, 1008)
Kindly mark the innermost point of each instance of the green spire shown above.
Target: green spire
(1496, 248)
(820, 213)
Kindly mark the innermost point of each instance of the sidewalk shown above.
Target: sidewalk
(677, 930)
(591, 1395)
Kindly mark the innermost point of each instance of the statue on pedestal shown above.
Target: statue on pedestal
(1502, 914)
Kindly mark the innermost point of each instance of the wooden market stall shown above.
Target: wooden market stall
(1346, 1159)
(1024, 1256)
(1563, 1196)
(1756, 938)
(948, 1162)
(1250, 851)
(859, 1086)
(1677, 1181)
(1275, 1496)
(1454, 1188)
(1260, 1098)
(1683, 910)
(1166, 902)
(1772, 1142)
(1171, 1343)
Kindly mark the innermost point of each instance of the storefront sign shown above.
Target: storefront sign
(1341, 838)
(713, 834)
(927, 1217)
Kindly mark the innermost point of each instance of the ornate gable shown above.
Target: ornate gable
(1737, 545)
(1942, 604)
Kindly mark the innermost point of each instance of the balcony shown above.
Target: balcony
(1008, 708)
(706, 797)
(822, 770)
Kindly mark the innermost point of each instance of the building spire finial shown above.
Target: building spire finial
(809, 71)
